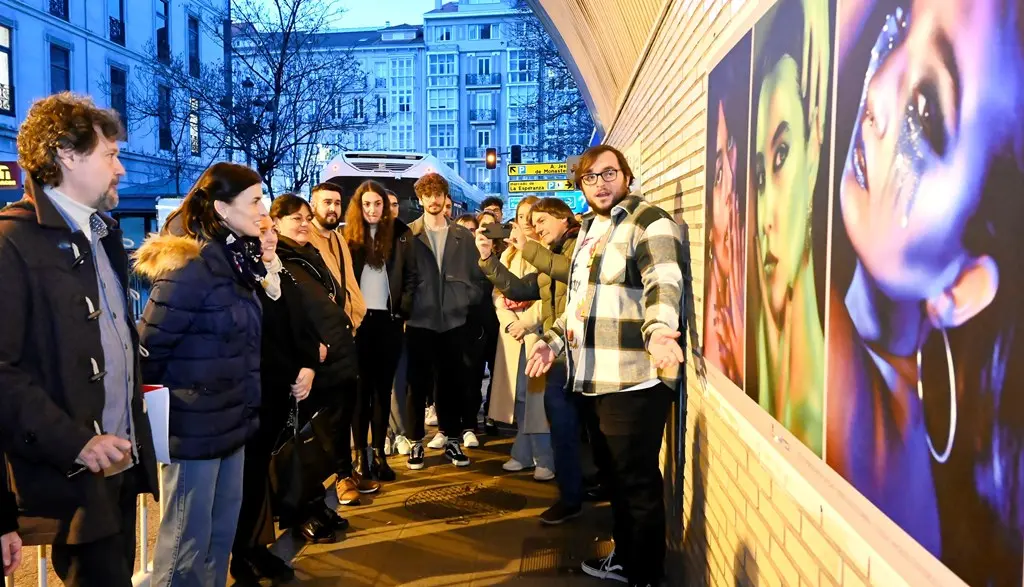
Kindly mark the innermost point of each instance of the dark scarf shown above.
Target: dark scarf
(246, 256)
(571, 233)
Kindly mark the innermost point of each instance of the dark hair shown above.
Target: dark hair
(431, 183)
(286, 205)
(492, 201)
(467, 218)
(591, 155)
(485, 213)
(221, 182)
(556, 208)
(58, 122)
(326, 187)
(357, 230)
(776, 38)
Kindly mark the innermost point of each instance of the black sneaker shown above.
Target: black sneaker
(453, 452)
(415, 461)
(605, 568)
(560, 513)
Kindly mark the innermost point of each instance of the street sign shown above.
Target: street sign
(537, 169)
(575, 200)
(542, 185)
(10, 175)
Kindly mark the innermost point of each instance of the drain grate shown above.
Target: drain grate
(460, 502)
(556, 557)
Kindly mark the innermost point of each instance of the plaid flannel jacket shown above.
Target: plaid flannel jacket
(639, 289)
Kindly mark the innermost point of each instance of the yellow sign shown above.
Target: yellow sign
(557, 185)
(538, 169)
(10, 175)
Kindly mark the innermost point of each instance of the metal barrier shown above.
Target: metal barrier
(140, 579)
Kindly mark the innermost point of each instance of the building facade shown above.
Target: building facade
(100, 48)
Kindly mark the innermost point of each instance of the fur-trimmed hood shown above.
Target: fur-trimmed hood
(161, 254)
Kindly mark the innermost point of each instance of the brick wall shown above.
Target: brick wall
(756, 508)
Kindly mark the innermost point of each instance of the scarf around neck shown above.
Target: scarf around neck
(272, 280)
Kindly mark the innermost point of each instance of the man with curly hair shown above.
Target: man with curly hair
(450, 282)
(72, 425)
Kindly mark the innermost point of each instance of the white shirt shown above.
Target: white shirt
(78, 212)
(374, 285)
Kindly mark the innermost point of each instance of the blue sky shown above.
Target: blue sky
(363, 13)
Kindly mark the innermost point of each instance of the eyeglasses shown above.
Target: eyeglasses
(608, 175)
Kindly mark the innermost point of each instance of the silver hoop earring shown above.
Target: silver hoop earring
(941, 458)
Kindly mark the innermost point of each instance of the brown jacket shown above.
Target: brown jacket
(334, 249)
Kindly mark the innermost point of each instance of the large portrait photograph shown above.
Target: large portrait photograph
(725, 207)
(925, 369)
(788, 182)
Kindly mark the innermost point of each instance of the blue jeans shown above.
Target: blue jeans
(563, 416)
(529, 449)
(200, 502)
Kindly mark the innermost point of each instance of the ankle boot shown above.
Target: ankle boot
(367, 467)
(384, 472)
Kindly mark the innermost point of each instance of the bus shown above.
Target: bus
(398, 172)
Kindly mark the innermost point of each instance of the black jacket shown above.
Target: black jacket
(290, 343)
(50, 398)
(443, 298)
(201, 329)
(324, 299)
(401, 269)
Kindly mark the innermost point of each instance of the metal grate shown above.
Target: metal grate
(559, 557)
(465, 501)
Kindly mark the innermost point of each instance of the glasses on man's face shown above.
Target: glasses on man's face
(608, 175)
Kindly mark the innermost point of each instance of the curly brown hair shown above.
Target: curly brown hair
(357, 230)
(63, 121)
(432, 183)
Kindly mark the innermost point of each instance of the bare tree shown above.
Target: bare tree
(283, 92)
(557, 113)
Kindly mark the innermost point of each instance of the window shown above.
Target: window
(195, 145)
(60, 69)
(522, 67)
(521, 134)
(442, 70)
(382, 107)
(119, 94)
(115, 12)
(163, 39)
(6, 72)
(442, 136)
(404, 101)
(402, 137)
(442, 34)
(479, 32)
(442, 99)
(59, 8)
(483, 65)
(483, 137)
(164, 117)
(193, 46)
(520, 99)
(484, 101)
(382, 141)
(357, 108)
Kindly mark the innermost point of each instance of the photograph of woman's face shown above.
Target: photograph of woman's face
(723, 192)
(783, 181)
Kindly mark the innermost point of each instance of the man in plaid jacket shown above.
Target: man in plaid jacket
(620, 329)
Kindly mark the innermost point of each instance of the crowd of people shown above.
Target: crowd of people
(258, 319)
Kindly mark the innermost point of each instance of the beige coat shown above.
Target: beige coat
(506, 361)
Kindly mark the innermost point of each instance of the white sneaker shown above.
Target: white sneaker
(402, 445)
(513, 466)
(388, 449)
(469, 439)
(543, 474)
(438, 442)
(430, 419)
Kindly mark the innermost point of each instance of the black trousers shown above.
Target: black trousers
(379, 341)
(484, 326)
(109, 561)
(629, 428)
(340, 402)
(441, 355)
(256, 516)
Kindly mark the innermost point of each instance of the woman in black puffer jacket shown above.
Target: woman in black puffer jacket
(201, 333)
(334, 387)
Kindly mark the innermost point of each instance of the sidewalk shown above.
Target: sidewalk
(444, 526)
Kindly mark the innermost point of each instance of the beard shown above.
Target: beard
(109, 200)
(329, 222)
(605, 210)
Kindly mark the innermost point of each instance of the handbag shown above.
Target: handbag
(302, 459)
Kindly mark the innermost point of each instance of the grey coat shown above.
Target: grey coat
(442, 298)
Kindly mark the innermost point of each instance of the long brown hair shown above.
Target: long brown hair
(527, 201)
(357, 231)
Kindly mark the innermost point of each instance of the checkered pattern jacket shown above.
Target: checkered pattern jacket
(639, 289)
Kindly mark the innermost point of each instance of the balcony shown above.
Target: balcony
(475, 152)
(59, 8)
(116, 30)
(483, 115)
(380, 83)
(488, 187)
(483, 80)
(6, 100)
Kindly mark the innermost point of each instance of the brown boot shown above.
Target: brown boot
(348, 491)
(365, 484)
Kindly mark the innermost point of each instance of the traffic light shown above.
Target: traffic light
(492, 158)
(517, 154)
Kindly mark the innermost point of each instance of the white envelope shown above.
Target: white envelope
(156, 403)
